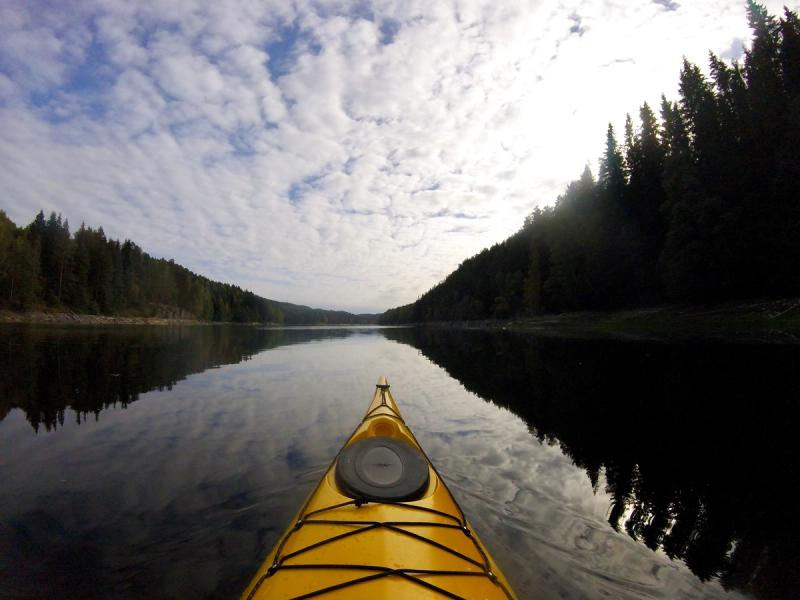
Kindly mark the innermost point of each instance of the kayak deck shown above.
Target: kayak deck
(339, 546)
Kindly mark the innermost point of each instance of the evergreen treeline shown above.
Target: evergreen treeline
(699, 206)
(43, 264)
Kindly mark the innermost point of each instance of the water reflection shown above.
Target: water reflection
(181, 494)
(45, 370)
(695, 444)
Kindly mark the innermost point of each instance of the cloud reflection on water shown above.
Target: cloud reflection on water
(185, 490)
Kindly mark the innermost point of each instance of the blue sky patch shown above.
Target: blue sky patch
(389, 29)
(285, 50)
(299, 189)
(577, 25)
(735, 51)
(669, 5)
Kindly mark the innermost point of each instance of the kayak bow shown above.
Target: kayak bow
(380, 524)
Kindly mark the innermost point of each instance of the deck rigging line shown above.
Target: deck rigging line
(378, 571)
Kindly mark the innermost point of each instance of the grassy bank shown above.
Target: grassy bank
(773, 321)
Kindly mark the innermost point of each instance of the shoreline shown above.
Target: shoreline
(776, 321)
(8, 317)
(34, 317)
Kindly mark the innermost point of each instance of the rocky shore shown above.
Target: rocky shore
(67, 318)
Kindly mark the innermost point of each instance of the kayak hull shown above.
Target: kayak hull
(338, 546)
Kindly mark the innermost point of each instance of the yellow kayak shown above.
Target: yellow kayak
(380, 524)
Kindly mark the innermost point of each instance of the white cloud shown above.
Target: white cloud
(286, 148)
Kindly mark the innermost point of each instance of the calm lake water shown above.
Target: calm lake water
(161, 462)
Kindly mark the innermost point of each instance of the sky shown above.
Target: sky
(343, 155)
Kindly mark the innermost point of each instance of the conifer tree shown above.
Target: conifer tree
(647, 198)
(682, 260)
(23, 273)
(629, 147)
(612, 173)
(789, 53)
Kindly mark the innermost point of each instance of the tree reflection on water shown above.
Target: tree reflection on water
(46, 371)
(696, 443)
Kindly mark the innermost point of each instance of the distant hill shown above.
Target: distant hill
(701, 206)
(298, 314)
(43, 265)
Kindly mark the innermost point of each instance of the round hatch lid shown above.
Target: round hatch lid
(382, 468)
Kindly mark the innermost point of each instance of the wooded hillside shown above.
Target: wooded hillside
(44, 265)
(699, 206)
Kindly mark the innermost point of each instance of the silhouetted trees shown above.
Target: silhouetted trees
(44, 265)
(702, 206)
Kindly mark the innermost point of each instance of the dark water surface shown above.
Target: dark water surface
(159, 462)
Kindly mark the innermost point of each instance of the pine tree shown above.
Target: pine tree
(699, 112)
(789, 53)
(55, 240)
(763, 73)
(646, 200)
(76, 291)
(8, 232)
(612, 173)
(630, 149)
(23, 273)
(614, 235)
(684, 259)
(782, 263)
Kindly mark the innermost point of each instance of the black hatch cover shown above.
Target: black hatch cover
(382, 468)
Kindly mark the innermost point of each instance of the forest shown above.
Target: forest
(43, 265)
(697, 205)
